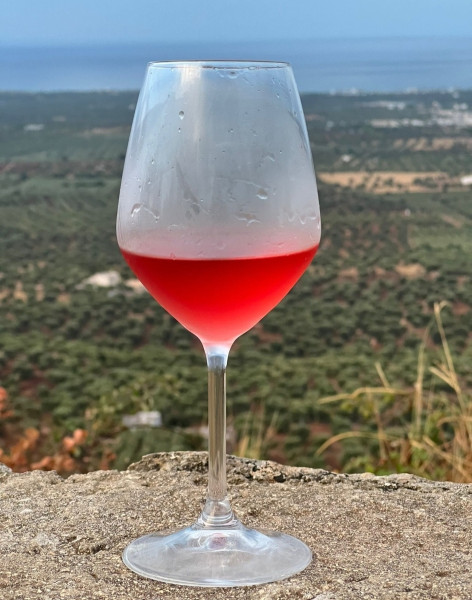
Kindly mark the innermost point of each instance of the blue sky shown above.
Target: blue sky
(58, 22)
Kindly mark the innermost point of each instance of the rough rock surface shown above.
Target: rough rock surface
(397, 537)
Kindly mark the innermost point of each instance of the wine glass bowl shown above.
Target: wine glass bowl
(218, 217)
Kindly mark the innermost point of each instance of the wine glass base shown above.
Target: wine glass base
(217, 557)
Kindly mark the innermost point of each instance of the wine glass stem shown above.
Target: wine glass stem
(217, 510)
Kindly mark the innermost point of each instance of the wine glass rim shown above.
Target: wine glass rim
(221, 64)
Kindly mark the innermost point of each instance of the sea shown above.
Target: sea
(322, 65)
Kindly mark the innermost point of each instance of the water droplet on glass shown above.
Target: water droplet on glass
(181, 114)
(148, 182)
(179, 130)
(152, 161)
(248, 218)
(262, 194)
(221, 245)
(135, 209)
(172, 256)
(231, 130)
(232, 74)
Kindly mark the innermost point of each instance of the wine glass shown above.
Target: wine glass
(218, 217)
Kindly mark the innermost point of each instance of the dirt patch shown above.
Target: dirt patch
(19, 293)
(423, 144)
(379, 272)
(267, 336)
(384, 182)
(350, 274)
(412, 271)
(39, 292)
(313, 117)
(455, 222)
(459, 309)
(104, 131)
(135, 285)
(412, 330)
(444, 143)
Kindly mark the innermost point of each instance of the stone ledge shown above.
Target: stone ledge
(396, 537)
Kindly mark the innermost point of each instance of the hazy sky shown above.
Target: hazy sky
(56, 22)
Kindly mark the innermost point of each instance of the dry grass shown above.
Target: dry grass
(436, 440)
(256, 436)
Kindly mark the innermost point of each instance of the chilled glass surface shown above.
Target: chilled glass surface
(218, 217)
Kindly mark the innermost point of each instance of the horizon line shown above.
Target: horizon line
(97, 43)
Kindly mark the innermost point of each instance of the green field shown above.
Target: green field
(74, 357)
